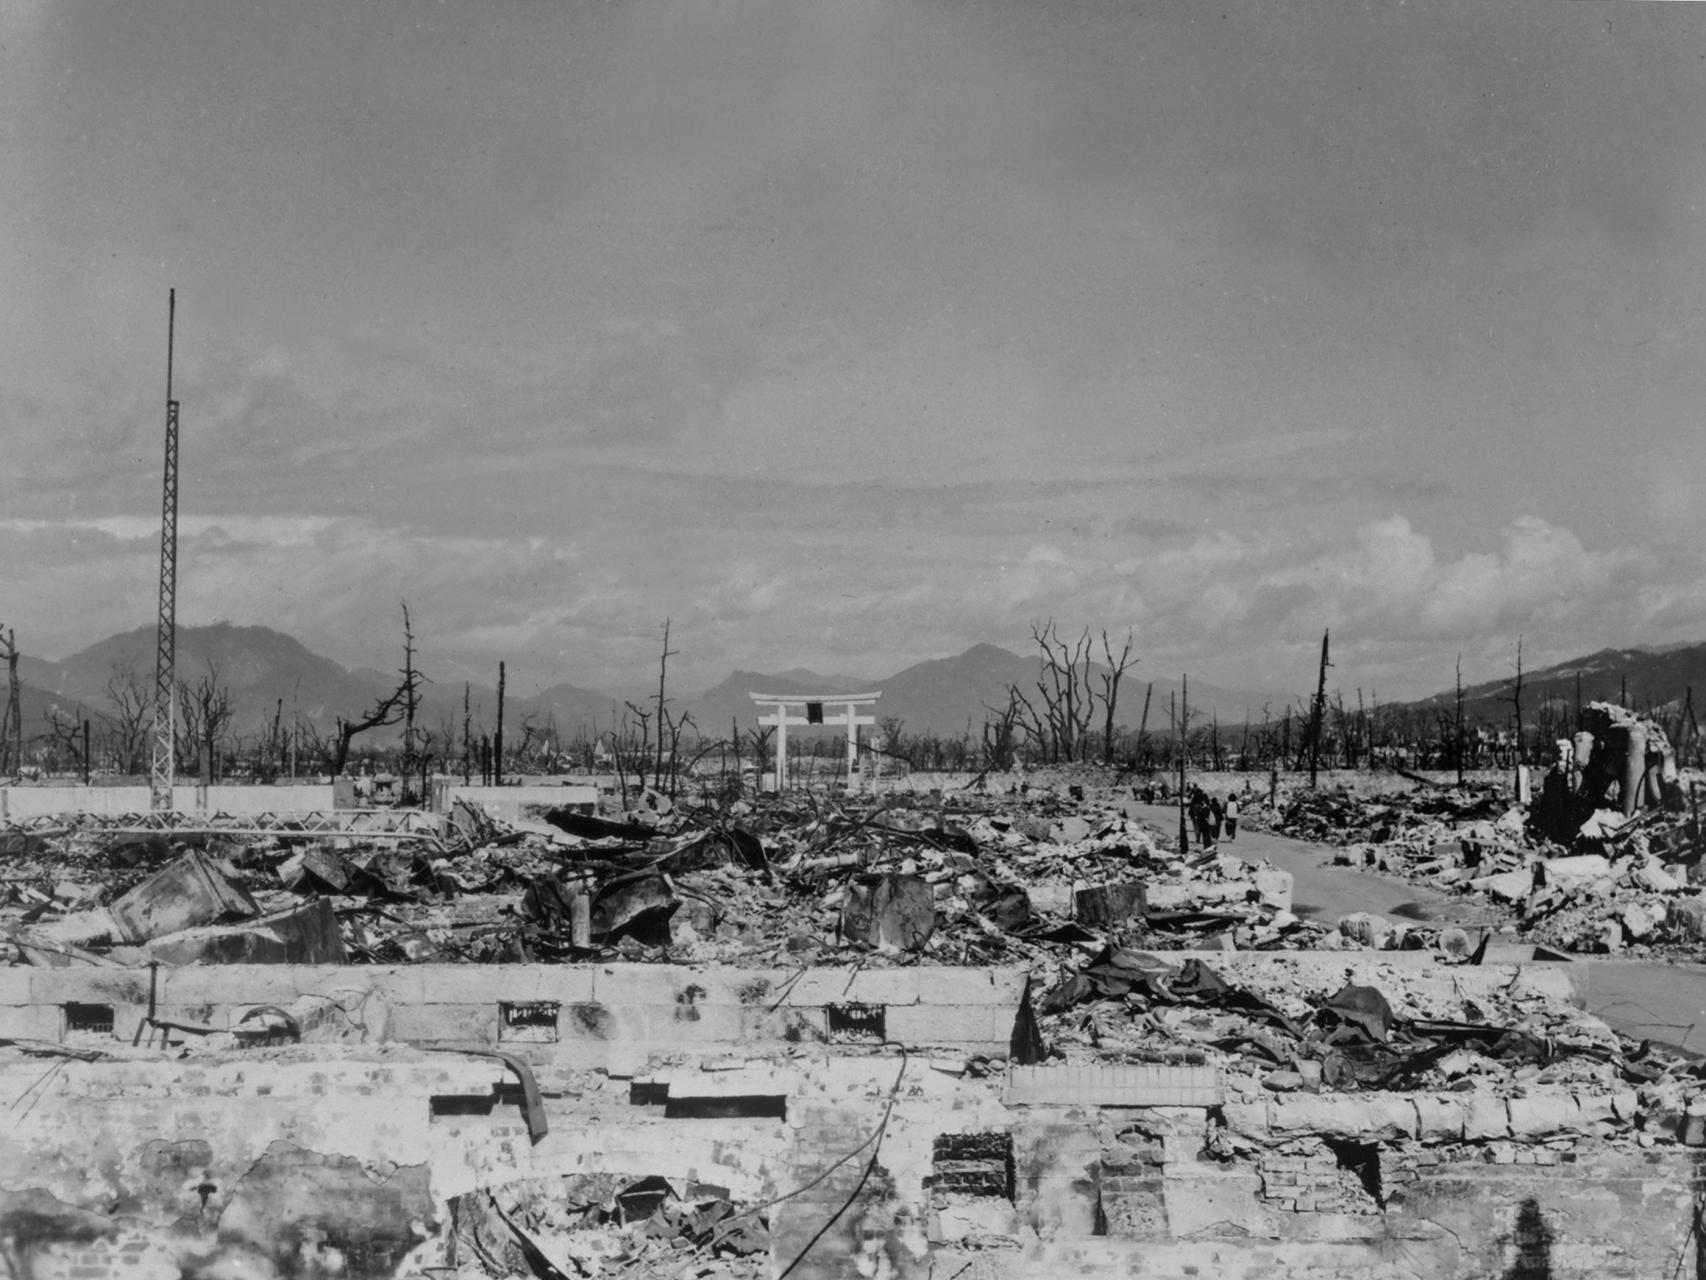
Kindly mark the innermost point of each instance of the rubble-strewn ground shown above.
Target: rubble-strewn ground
(1136, 954)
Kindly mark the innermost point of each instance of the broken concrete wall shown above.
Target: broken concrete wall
(345, 1163)
(44, 802)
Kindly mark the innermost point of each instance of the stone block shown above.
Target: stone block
(969, 1025)
(1576, 869)
(1247, 1119)
(88, 986)
(1439, 1118)
(1541, 1115)
(30, 1022)
(1508, 886)
(784, 1026)
(15, 983)
(251, 983)
(1274, 886)
(445, 1024)
(1367, 1117)
(1687, 918)
(1370, 930)
(1129, 1085)
(1595, 1108)
(1485, 1118)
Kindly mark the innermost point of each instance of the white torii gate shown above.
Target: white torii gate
(814, 705)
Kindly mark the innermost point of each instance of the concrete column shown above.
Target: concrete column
(1634, 767)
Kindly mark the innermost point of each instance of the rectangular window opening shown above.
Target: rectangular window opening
(973, 1164)
(95, 1019)
(757, 1106)
(528, 1021)
(857, 1023)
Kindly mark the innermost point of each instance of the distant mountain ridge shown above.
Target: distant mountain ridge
(268, 672)
(1657, 680)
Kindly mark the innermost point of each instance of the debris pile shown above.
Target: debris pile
(975, 880)
(1608, 858)
(598, 1224)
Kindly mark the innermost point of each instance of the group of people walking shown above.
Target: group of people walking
(1209, 816)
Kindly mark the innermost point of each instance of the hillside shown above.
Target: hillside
(263, 668)
(1657, 680)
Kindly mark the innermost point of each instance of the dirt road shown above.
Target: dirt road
(1665, 1003)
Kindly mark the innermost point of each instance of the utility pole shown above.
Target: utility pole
(1315, 716)
(1184, 724)
(498, 737)
(164, 768)
(12, 728)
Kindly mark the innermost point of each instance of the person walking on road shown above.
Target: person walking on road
(1232, 817)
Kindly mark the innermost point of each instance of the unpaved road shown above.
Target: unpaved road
(1665, 1003)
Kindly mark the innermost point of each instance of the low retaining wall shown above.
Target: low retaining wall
(610, 1017)
(45, 802)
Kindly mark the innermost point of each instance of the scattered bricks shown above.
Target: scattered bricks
(1485, 1119)
(1439, 1119)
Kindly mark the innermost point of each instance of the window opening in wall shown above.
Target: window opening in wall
(1362, 1159)
(94, 1018)
(857, 1023)
(973, 1164)
(528, 1021)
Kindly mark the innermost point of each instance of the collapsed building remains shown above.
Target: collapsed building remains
(993, 1034)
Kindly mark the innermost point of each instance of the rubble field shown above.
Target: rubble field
(1592, 864)
(998, 1031)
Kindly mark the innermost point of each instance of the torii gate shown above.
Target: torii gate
(814, 705)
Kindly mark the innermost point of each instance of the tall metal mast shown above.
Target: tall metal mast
(165, 646)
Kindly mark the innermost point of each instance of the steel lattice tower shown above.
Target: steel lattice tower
(165, 646)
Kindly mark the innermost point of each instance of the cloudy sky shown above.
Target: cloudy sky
(847, 334)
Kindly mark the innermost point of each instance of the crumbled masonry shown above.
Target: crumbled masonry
(1001, 1031)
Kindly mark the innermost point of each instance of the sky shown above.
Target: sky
(847, 335)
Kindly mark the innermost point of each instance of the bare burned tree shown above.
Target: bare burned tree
(1001, 732)
(1513, 695)
(1116, 668)
(409, 687)
(130, 720)
(663, 668)
(206, 711)
(65, 736)
(642, 753)
(385, 711)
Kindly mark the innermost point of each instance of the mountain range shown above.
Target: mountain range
(268, 673)
(1658, 681)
